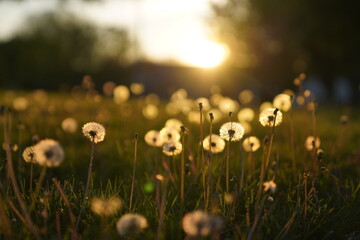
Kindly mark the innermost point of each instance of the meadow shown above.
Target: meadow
(289, 187)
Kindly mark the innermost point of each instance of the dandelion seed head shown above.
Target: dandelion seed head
(269, 186)
(29, 155)
(173, 123)
(20, 103)
(282, 101)
(106, 207)
(251, 144)
(200, 224)
(121, 94)
(267, 117)
(265, 105)
(137, 88)
(150, 111)
(246, 96)
(49, 153)
(172, 148)
(94, 131)
(170, 134)
(312, 142)
(232, 131)
(153, 138)
(131, 224)
(217, 143)
(246, 115)
(69, 125)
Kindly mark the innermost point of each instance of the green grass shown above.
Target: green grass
(335, 215)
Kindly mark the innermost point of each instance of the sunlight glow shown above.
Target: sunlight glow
(202, 53)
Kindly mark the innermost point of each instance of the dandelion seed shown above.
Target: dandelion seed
(106, 207)
(232, 130)
(312, 142)
(170, 134)
(49, 153)
(246, 115)
(29, 155)
(217, 143)
(131, 224)
(172, 148)
(267, 117)
(200, 224)
(153, 138)
(269, 186)
(94, 131)
(69, 125)
(282, 101)
(251, 144)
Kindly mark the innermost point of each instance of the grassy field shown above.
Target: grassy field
(317, 195)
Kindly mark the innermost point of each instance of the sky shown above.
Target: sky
(166, 29)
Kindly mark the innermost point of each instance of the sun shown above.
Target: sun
(202, 53)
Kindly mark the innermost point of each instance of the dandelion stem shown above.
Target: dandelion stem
(202, 152)
(182, 170)
(87, 182)
(11, 175)
(134, 170)
(209, 185)
(31, 176)
(38, 187)
(271, 139)
(227, 165)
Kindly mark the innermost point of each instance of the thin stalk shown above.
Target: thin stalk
(6, 227)
(74, 234)
(87, 182)
(209, 185)
(38, 188)
(271, 139)
(162, 208)
(257, 219)
(227, 165)
(11, 175)
(182, 184)
(31, 176)
(134, 171)
(202, 152)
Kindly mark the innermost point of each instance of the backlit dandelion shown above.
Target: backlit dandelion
(217, 143)
(312, 142)
(106, 207)
(121, 94)
(232, 131)
(170, 134)
(29, 155)
(69, 125)
(49, 153)
(137, 88)
(131, 224)
(172, 148)
(153, 138)
(282, 101)
(150, 111)
(20, 103)
(251, 144)
(269, 186)
(94, 131)
(174, 123)
(267, 117)
(246, 115)
(200, 224)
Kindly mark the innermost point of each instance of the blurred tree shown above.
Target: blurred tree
(275, 40)
(57, 48)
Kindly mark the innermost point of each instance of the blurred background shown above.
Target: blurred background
(191, 44)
